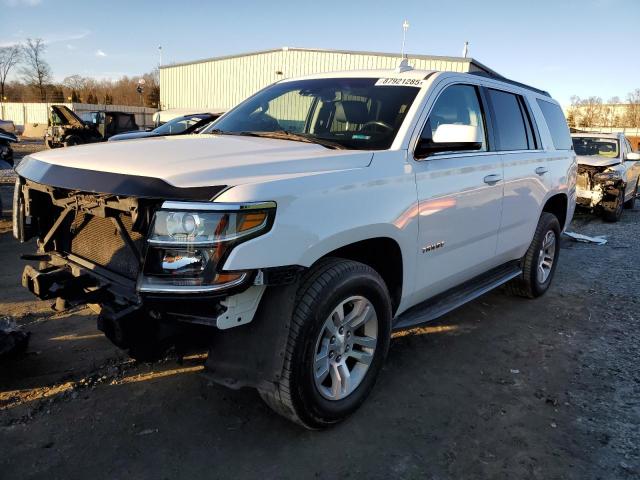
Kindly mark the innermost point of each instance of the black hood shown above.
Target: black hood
(67, 115)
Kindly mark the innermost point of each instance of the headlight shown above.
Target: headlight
(188, 243)
(607, 176)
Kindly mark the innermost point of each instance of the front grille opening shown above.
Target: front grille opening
(97, 240)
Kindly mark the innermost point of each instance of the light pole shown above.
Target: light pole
(405, 27)
(160, 55)
(140, 90)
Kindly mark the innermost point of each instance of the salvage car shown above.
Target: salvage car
(608, 173)
(185, 125)
(6, 152)
(8, 126)
(67, 129)
(305, 225)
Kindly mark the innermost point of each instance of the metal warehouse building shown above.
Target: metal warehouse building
(223, 82)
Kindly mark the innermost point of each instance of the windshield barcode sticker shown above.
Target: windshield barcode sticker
(399, 82)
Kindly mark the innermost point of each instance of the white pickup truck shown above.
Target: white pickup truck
(306, 225)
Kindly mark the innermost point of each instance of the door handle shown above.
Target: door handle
(492, 179)
(541, 170)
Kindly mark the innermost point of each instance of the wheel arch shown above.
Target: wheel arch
(558, 205)
(384, 255)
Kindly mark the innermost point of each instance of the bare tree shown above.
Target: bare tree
(587, 112)
(9, 57)
(611, 113)
(36, 71)
(632, 117)
(75, 82)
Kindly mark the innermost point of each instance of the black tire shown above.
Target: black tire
(48, 144)
(629, 204)
(527, 284)
(72, 140)
(327, 284)
(613, 214)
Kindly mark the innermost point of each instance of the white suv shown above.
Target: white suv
(608, 173)
(306, 225)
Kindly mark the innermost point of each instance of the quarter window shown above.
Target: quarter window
(557, 125)
(457, 105)
(509, 121)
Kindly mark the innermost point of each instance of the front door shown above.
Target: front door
(460, 199)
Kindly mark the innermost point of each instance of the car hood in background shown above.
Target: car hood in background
(597, 161)
(204, 160)
(132, 135)
(68, 115)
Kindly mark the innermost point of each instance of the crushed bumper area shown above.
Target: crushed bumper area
(594, 193)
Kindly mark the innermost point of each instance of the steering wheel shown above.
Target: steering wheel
(377, 123)
(263, 121)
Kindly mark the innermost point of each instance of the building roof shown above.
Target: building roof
(348, 52)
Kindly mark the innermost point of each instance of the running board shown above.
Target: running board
(451, 299)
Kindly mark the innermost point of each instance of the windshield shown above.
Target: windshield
(603, 147)
(179, 125)
(90, 117)
(353, 113)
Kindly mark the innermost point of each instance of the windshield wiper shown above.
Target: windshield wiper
(296, 137)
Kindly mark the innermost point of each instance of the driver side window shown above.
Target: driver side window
(457, 105)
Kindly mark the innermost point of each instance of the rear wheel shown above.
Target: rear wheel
(337, 344)
(540, 261)
(72, 140)
(614, 211)
(629, 204)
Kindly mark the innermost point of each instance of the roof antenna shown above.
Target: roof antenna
(403, 66)
(465, 50)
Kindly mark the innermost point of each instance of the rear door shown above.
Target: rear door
(526, 179)
(459, 198)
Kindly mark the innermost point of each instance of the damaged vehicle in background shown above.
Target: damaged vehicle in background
(608, 173)
(296, 232)
(6, 152)
(185, 125)
(66, 128)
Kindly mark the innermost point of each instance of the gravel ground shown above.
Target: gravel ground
(500, 388)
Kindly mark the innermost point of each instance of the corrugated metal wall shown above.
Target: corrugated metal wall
(226, 81)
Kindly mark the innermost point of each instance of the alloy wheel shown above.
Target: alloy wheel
(345, 348)
(546, 256)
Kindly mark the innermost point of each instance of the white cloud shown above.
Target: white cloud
(22, 3)
(70, 47)
(100, 53)
(48, 38)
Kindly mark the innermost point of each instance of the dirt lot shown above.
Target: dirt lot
(500, 388)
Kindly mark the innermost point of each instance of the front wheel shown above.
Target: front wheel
(338, 341)
(613, 212)
(629, 204)
(540, 262)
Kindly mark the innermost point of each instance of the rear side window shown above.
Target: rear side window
(557, 125)
(510, 128)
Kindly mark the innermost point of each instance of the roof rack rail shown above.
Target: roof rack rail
(512, 82)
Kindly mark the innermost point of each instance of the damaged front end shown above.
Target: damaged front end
(599, 187)
(151, 267)
(90, 250)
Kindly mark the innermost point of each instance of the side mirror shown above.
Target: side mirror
(450, 138)
(633, 156)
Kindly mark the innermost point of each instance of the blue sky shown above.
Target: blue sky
(582, 47)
